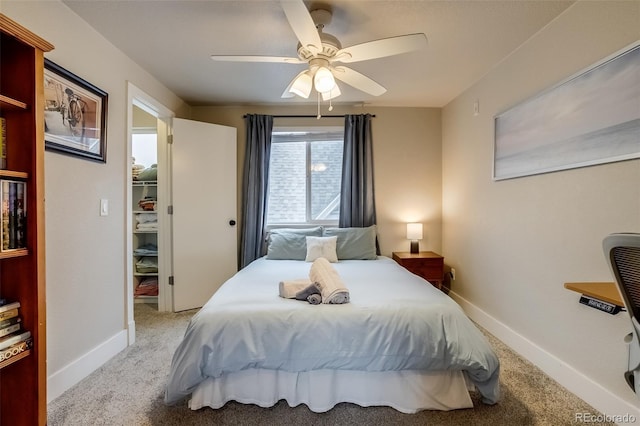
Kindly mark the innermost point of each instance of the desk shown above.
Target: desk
(607, 292)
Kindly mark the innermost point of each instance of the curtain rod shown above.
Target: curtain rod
(307, 116)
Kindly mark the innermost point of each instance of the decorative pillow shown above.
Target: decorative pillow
(290, 243)
(354, 243)
(321, 247)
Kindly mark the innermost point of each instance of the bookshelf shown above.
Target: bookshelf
(23, 398)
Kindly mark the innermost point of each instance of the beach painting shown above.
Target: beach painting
(591, 118)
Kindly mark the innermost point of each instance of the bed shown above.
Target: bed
(399, 342)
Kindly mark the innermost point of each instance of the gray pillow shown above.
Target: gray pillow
(354, 243)
(290, 243)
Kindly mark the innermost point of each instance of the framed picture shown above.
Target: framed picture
(75, 114)
(591, 118)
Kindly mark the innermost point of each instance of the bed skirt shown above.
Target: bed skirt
(406, 391)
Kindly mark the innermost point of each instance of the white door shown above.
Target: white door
(203, 177)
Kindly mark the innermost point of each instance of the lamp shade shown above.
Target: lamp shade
(302, 85)
(323, 80)
(414, 231)
(333, 93)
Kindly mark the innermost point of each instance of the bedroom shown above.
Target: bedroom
(555, 221)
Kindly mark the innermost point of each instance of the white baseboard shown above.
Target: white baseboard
(573, 380)
(69, 375)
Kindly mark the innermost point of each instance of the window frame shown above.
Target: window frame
(318, 134)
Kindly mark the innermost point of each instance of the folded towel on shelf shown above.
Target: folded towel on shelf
(147, 265)
(150, 173)
(147, 204)
(147, 287)
(146, 250)
(147, 226)
(146, 217)
(326, 278)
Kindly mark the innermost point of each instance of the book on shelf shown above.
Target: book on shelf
(3, 143)
(13, 214)
(10, 329)
(7, 306)
(8, 314)
(12, 339)
(9, 322)
(16, 349)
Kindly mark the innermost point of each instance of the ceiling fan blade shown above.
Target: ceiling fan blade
(302, 24)
(381, 48)
(357, 80)
(241, 58)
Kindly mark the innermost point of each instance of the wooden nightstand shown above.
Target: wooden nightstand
(427, 264)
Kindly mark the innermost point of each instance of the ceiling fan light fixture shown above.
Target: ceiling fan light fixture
(323, 80)
(331, 94)
(302, 86)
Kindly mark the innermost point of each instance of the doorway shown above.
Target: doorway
(146, 116)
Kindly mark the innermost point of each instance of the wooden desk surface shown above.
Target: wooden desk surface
(607, 292)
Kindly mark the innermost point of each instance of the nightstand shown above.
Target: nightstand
(426, 264)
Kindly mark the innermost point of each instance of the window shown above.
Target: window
(305, 173)
(144, 148)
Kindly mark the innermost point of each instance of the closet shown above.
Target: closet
(183, 209)
(144, 206)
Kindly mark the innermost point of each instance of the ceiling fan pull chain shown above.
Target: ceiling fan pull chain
(319, 116)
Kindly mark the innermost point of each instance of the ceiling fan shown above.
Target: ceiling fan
(324, 54)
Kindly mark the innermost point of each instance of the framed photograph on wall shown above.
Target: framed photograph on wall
(75, 114)
(591, 118)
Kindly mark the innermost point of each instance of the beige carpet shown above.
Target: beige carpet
(128, 390)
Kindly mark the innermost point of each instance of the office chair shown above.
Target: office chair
(623, 254)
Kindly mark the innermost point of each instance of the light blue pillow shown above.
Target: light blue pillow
(290, 243)
(354, 243)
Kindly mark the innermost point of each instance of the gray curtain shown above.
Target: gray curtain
(357, 203)
(255, 186)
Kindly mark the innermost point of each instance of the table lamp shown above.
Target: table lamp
(414, 233)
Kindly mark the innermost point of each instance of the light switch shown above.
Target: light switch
(104, 207)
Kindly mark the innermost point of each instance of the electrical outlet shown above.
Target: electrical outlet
(453, 274)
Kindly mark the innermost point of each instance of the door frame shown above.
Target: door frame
(137, 97)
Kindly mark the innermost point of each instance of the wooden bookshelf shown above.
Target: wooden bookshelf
(23, 398)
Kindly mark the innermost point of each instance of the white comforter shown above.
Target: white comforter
(395, 321)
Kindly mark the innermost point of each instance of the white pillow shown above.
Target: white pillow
(322, 247)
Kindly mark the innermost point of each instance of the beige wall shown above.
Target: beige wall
(515, 242)
(85, 273)
(407, 159)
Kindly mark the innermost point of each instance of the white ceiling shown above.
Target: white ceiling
(173, 40)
